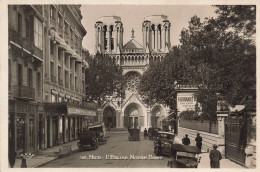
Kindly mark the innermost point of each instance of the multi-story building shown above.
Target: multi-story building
(46, 76)
(134, 58)
(25, 62)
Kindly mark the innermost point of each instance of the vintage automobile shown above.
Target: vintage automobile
(184, 156)
(134, 134)
(163, 142)
(99, 129)
(152, 132)
(88, 140)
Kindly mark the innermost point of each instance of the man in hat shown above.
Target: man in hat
(215, 157)
(186, 140)
(198, 140)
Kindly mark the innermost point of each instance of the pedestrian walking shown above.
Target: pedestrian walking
(186, 140)
(145, 133)
(215, 157)
(198, 140)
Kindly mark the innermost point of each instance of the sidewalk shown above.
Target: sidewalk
(48, 155)
(205, 162)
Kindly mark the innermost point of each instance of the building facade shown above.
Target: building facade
(134, 58)
(46, 76)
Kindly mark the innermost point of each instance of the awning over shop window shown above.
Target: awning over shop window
(68, 109)
(55, 36)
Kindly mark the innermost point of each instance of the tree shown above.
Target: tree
(220, 61)
(157, 85)
(104, 78)
(242, 18)
(217, 55)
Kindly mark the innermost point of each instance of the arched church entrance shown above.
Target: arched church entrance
(109, 117)
(157, 115)
(133, 116)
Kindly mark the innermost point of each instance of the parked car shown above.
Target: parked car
(184, 156)
(100, 130)
(134, 134)
(163, 142)
(88, 140)
(152, 132)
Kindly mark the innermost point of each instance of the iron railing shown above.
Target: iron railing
(205, 126)
(21, 91)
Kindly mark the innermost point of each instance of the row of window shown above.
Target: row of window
(21, 77)
(66, 77)
(33, 28)
(61, 22)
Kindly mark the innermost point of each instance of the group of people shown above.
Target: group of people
(198, 140)
(214, 155)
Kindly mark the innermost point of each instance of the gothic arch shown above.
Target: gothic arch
(158, 112)
(133, 116)
(109, 116)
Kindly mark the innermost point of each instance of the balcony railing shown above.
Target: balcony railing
(21, 91)
(60, 82)
(53, 79)
(16, 37)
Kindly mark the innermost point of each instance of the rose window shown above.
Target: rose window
(132, 81)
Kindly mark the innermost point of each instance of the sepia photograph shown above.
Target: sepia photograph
(130, 86)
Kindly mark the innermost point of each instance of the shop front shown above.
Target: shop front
(65, 122)
(22, 126)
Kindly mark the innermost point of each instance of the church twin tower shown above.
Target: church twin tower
(155, 28)
(134, 59)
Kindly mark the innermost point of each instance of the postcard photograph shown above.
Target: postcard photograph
(131, 86)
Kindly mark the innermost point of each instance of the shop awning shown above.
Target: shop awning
(55, 36)
(62, 44)
(56, 108)
(69, 50)
(66, 108)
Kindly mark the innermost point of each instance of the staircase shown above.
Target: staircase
(117, 130)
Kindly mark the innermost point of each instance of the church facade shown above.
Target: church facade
(134, 58)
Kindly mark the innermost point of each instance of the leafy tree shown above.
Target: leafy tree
(220, 61)
(157, 85)
(242, 18)
(217, 55)
(104, 78)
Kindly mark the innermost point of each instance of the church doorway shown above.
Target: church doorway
(109, 117)
(133, 116)
(157, 115)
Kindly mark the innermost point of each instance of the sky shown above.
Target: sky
(132, 17)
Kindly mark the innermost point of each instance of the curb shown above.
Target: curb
(58, 157)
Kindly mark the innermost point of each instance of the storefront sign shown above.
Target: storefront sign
(25, 108)
(185, 101)
(77, 111)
